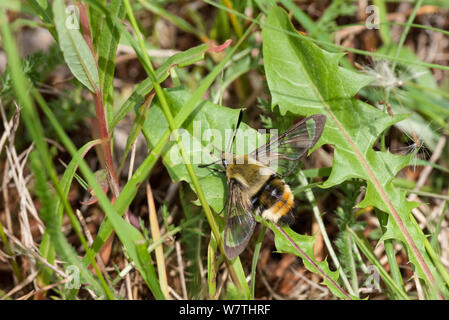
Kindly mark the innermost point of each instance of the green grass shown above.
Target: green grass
(299, 75)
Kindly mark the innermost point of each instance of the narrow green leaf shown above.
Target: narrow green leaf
(212, 267)
(131, 187)
(47, 213)
(136, 128)
(108, 39)
(48, 252)
(304, 79)
(283, 240)
(21, 86)
(256, 260)
(43, 10)
(69, 173)
(399, 291)
(146, 267)
(76, 52)
(385, 32)
(96, 21)
(181, 58)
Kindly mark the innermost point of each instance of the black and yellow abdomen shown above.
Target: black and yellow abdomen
(274, 200)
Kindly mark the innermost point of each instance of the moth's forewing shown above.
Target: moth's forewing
(240, 222)
(282, 153)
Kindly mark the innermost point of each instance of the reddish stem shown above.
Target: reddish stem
(98, 101)
(85, 26)
(100, 120)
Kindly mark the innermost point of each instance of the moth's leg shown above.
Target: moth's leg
(222, 210)
(228, 200)
(217, 170)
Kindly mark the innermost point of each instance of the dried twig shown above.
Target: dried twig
(181, 270)
(155, 232)
(21, 285)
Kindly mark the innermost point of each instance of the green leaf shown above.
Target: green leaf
(76, 52)
(372, 258)
(43, 10)
(142, 258)
(52, 223)
(47, 251)
(22, 86)
(136, 128)
(69, 173)
(130, 189)
(136, 98)
(210, 125)
(304, 79)
(305, 243)
(191, 238)
(107, 39)
(212, 267)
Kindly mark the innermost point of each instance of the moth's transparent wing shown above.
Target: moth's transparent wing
(240, 222)
(283, 152)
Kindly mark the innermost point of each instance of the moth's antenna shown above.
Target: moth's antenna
(212, 154)
(236, 129)
(207, 165)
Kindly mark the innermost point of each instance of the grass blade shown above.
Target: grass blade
(372, 258)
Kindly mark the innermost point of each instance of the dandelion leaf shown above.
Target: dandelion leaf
(304, 79)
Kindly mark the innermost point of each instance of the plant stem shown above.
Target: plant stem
(323, 274)
(99, 109)
(354, 280)
(212, 267)
(173, 128)
(316, 211)
(255, 260)
(389, 250)
(333, 45)
(399, 291)
(405, 32)
(21, 86)
(14, 265)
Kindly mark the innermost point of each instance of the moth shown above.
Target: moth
(255, 188)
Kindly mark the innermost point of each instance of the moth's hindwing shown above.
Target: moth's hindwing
(240, 222)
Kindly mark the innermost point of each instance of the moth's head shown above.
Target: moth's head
(228, 159)
(224, 161)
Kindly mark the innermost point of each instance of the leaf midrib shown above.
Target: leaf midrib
(372, 177)
(80, 59)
